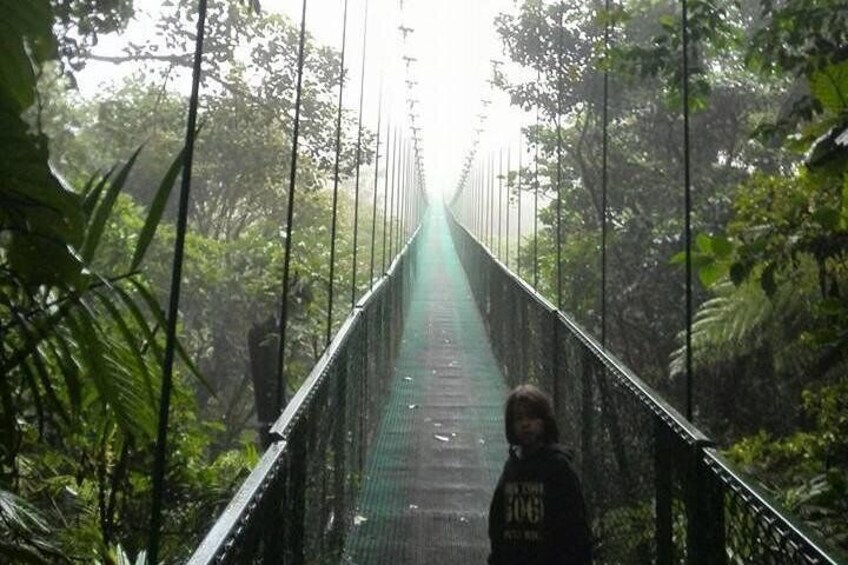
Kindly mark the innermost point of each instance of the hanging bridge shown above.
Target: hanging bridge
(390, 450)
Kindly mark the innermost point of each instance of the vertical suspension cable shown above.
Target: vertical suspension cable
(559, 160)
(478, 189)
(336, 179)
(486, 196)
(400, 225)
(392, 203)
(518, 236)
(401, 190)
(508, 155)
(605, 176)
(688, 205)
(473, 187)
(386, 192)
(401, 193)
(281, 349)
(358, 159)
(475, 203)
(481, 202)
(491, 204)
(500, 199)
(376, 183)
(158, 487)
(536, 197)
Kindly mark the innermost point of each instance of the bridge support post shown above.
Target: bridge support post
(273, 522)
(705, 513)
(296, 498)
(587, 428)
(663, 485)
(340, 459)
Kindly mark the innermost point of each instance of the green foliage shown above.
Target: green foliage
(807, 470)
(712, 32)
(24, 533)
(769, 155)
(80, 25)
(80, 339)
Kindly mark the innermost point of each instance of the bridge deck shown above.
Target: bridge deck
(440, 445)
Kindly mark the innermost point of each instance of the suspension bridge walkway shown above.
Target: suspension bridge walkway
(391, 449)
(440, 446)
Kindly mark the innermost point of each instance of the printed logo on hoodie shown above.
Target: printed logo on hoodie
(524, 510)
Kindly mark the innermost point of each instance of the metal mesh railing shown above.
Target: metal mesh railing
(656, 490)
(297, 504)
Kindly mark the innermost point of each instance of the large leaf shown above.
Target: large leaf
(140, 320)
(157, 208)
(723, 323)
(130, 341)
(44, 218)
(830, 86)
(91, 196)
(157, 312)
(25, 28)
(18, 514)
(97, 224)
(120, 391)
(22, 533)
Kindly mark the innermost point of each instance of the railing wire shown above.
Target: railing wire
(655, 487)
(297, 503)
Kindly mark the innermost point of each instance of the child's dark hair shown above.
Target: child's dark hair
(536, 403)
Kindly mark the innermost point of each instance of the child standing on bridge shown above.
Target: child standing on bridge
(537, 515)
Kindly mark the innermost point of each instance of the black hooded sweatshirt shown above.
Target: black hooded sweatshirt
(538, 515)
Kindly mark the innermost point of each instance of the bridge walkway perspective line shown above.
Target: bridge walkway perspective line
(440, 445)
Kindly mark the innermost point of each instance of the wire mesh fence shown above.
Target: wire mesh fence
(297, 504)
(656, 490)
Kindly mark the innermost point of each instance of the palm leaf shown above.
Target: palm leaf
(21, 531)
(104, 209)
(69, 367)
(91, 196)
(140, 320)
(154, 216)
(118, 390)
(34, 371)
(723, 325)
(50, 392)
(154, 307)
(129, 343)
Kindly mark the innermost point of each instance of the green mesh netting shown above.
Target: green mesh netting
(440, 446)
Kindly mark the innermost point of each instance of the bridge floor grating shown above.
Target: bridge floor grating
(440, 445)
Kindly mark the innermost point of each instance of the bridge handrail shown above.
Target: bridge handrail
(713, 470)
(791, 532)
(236, 518)
(623, 374)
